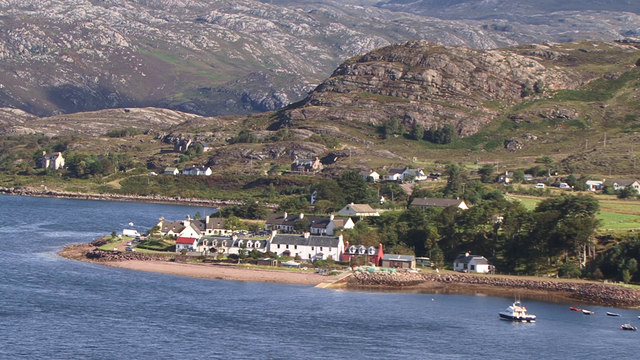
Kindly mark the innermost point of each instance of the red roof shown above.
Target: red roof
(185, 240)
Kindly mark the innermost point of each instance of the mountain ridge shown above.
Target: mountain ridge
(223, 58)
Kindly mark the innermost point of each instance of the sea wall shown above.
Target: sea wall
(584, 291)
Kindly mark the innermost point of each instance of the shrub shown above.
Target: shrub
(569, 271)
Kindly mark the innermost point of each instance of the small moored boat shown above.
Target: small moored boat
(573, 308)
(628, 327)
(612, 314)
(588, 312)
(517, 312)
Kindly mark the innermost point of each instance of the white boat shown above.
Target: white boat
(517, 312)
(587, 312)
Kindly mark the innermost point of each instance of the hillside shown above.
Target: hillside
(576, 103)
(240, 57)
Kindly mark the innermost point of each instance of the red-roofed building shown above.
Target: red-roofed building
(186, 243)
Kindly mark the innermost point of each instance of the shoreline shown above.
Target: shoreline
(161, 264)
(548, 290)
(155, 199)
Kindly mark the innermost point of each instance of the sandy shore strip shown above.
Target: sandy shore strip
(224, 272)
(551, 290)
(159, 264)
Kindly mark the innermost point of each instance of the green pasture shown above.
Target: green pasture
(614, 214)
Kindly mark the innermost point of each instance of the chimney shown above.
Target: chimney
(301, 216)
(331, 217)
(44, 153)
(307, 234)
(206, 220)
(273, 233)
(234, 237)
(285, 215)
(466, 254)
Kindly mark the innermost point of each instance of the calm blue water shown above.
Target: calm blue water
(54, 308)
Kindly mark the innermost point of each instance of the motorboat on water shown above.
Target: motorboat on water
(573, 308)
(588, 312)
(612, 314)
(628, 327)
(517, 312)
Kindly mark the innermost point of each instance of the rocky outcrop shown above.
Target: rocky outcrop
(115, 256)
(232, 57)
(427, 84)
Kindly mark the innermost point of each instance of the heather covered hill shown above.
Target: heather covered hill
(419, 83)
(239, 57)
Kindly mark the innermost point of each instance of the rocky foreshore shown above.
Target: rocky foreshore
(589, 292)
(26, 191)
(111, 256)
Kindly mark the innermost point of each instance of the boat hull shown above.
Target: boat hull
(509, 317)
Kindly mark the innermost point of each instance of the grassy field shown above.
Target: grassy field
(615, 214)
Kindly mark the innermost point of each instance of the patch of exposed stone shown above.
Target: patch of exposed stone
(111, 256)
(586, 292)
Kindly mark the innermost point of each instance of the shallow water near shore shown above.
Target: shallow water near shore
(55, 308)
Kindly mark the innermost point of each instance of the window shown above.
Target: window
(287, 246)
(473, 267)
(295, 246)
(312, 249)
(320, 248)
(278, 246)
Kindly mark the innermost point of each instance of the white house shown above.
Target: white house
(307, 246)
(216, 226)
(394, 175)
(619, 184)
(186, 228)
(358, 210)
(375, 177)
(186, 243)
(228, 245)
(328, 226)
(413, 174)
(197, 170)
(472, 263)
(53, 161)
(171, 171)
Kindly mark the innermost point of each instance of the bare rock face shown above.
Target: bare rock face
(421, 83)
(513, 145)
(243, 56)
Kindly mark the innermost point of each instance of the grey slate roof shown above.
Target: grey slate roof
(465, 259)
(435, 202)
(215, 223)
(396, 257)
(285, 239)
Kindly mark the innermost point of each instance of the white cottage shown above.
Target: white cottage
(358, 210)
(472, 263)
(186, 243)
(307, 246)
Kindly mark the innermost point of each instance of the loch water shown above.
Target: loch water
(55, 308)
